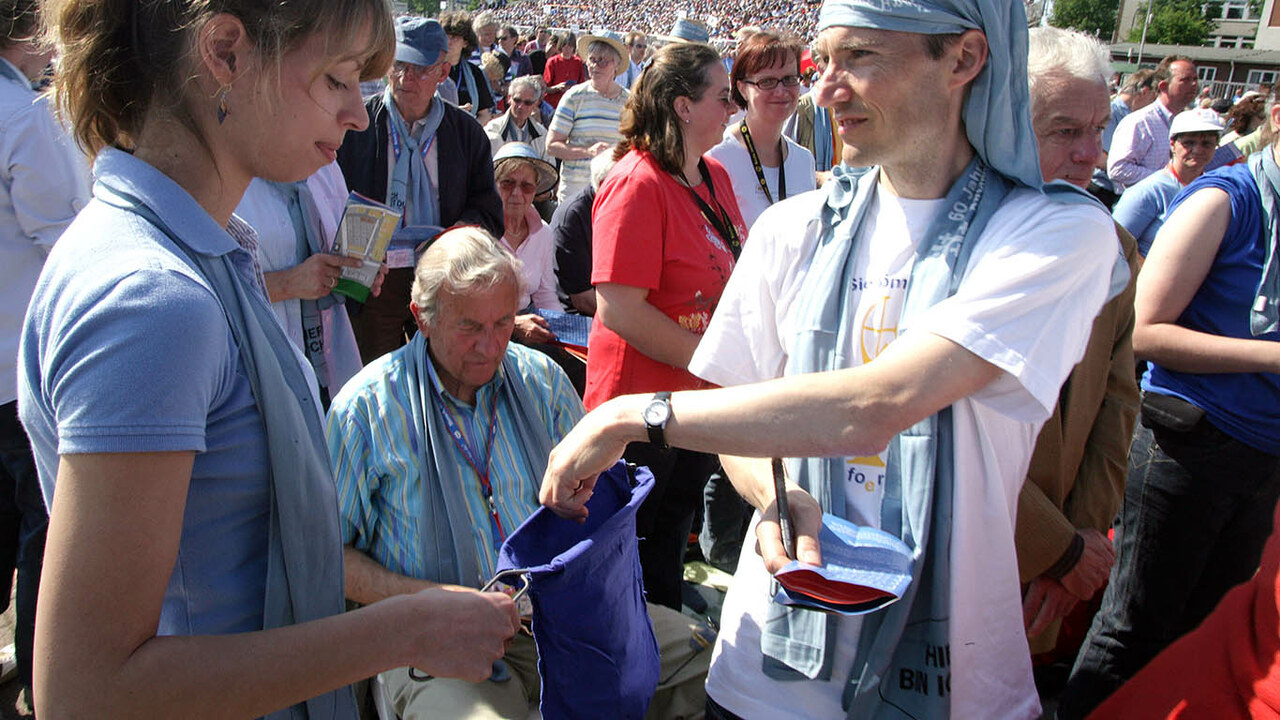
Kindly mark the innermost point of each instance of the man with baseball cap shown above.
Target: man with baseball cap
(425, 158)
(933, 297)
(1193, 139)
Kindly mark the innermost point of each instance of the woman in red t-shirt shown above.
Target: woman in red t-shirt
(666, 233)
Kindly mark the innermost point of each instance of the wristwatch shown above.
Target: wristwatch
(656, 414)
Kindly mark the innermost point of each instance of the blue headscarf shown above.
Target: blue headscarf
(997, 111)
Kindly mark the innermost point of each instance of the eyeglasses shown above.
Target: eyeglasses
(599, 61)
(508, 185)
(404, 70)
(1191, 143)
(526, 103)
(770, 83)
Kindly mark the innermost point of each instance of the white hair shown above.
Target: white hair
(600, 167)
(1054, 51)
(461, 260)
(526, 82)
(484, 19)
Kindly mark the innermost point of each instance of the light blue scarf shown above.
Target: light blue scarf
(412, 192)
(305, 217)
(447, 544)
(919, 471)
(1264, 316)
(304, 547)
(469, 79)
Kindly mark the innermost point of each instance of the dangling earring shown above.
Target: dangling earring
(223, 112)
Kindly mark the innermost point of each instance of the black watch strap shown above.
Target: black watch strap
(657, 433)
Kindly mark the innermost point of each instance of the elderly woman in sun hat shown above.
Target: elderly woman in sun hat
(587, 118)
(522, 175)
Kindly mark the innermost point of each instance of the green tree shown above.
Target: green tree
(1176, 22)
(1094, 17)
(430, 8)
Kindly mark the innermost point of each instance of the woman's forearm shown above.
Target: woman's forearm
(647, 329)
(1174, 347)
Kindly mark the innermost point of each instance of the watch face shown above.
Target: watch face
(656, 413)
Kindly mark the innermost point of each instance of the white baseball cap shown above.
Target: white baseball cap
(1196, 121)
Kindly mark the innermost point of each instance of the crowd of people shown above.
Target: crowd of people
(798, 17)
(1026, 335)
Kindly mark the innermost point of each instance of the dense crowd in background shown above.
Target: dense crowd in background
(657, 17)
(203, 372)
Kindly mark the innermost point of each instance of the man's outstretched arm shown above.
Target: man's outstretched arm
(855, 411)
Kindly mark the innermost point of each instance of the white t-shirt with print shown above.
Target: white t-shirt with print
(1038, 275)
(746, 186)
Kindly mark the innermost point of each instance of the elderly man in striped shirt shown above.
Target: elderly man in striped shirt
(438, 449)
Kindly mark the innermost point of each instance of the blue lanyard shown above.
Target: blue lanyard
(395, 143)
(473, 459)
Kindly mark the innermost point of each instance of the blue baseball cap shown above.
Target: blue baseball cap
(420, 41)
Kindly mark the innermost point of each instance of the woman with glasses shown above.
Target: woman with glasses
(194, 556)
(666, 235)
(764, 165)
(1193, 139)
(521, 176)
(587, 117)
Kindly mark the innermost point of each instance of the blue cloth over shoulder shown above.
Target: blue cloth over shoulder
(597, 654)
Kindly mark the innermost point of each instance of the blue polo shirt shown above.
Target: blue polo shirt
(126, 349)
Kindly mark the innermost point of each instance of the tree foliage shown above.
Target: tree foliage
(1092, 17)
(429, 8)
(1176, 22)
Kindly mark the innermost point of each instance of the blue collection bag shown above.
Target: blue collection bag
(597, 654)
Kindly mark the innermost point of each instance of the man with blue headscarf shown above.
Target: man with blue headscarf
(933, 296)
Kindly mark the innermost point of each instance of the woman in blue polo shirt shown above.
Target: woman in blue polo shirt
(193, 561)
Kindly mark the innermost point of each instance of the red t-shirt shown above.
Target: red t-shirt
(559, 70)
(647, 232)
(1229, 667)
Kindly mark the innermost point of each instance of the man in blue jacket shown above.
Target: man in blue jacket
(424, 158)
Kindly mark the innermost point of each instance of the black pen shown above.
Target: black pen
(784, 512)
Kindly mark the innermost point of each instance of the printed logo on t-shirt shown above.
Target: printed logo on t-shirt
(878, 309)
(714, 238)
(697, 320)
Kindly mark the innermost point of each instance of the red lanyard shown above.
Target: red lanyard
(473, 459)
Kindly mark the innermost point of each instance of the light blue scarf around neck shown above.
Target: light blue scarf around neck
(304, 546)
(305, 217)
(919, 473)
(1264, 316)
(447, 544)
(411, 191)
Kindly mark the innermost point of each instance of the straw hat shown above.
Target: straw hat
(612, 40)
(513, 151)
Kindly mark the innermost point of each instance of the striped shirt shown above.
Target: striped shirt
(375, 462)
(585, 117)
